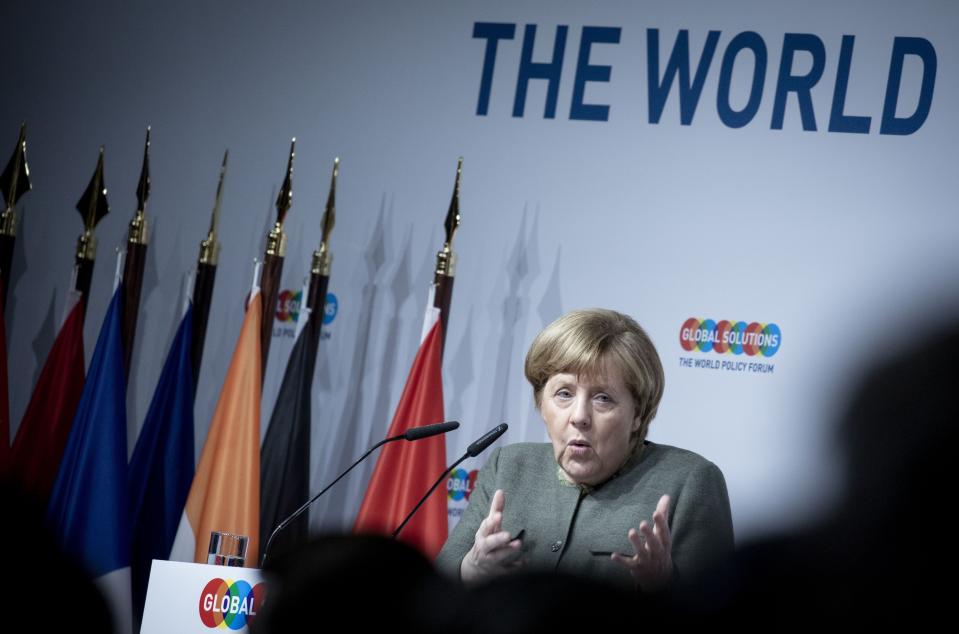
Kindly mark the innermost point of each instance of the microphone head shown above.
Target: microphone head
(486, 440)
(425, 431)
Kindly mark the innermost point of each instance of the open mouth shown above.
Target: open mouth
(578, 447)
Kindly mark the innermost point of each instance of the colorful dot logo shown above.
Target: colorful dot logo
(330, 309)
(460, 485)
(288, 305)
(230, 604)
(730, 337)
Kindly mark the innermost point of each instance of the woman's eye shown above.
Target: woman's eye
(603, 398)
(563, 393)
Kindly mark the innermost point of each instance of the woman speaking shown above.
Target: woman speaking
(598, 499)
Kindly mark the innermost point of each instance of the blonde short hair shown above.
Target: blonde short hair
(581, 341)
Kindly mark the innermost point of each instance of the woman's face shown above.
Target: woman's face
(589, 420)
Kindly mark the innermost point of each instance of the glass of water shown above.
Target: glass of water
(227, 549)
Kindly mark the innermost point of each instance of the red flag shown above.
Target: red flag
(406, 470)
(45, 425)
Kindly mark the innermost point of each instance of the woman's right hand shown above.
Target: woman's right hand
(494, 552)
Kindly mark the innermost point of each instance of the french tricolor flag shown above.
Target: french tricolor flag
(89, 506)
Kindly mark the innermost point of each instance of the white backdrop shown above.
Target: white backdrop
(846, 241)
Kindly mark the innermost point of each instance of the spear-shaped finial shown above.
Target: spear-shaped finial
(329, 216)
(143, 187)
(322, 258)
(445, 260)
(93, 207)
(276, 240)
(210, 247)
(15, 182)
(284, 200)
(138, 226)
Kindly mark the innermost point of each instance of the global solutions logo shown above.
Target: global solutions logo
(459, 487)
(733, 338)
(288, 305)
(230, 604)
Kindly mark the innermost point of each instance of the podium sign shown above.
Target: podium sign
(198, 598)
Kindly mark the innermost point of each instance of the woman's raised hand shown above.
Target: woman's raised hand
(494, 551)
(652, 565)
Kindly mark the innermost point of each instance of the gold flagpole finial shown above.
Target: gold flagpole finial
(446, 259)
(138, 226)
(14, 182)
(322, 258)
(93, 206)
(210, 247)
(276, 240)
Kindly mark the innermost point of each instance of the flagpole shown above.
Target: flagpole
(93, 206)
(273, 261)
(285, 452)
(135, 261)
(322, 261)
(14, 182)
(445, 258)
(205, 279)
(402, 473)
(47, 422)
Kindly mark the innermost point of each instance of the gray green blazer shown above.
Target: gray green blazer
(563, 523)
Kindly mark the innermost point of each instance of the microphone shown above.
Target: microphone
(414, 433)
(476, 448)
(480, 445)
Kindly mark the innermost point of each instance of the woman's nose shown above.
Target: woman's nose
(580, 416)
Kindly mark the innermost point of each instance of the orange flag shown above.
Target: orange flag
(406, 470)
(225, 495)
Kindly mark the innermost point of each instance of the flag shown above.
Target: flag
(161, 469)
(225, 495)
(89, 504)
(406, 470)
(45, 425)
(285, 456)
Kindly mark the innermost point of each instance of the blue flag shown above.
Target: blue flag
(89, 506)
(161, 470)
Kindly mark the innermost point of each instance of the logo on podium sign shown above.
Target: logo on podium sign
(231, 604)
(189, 598)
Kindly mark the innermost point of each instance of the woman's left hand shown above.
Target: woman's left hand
(652, 565)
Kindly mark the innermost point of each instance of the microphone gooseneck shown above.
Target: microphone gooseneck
(476, 448)
(414, 433)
